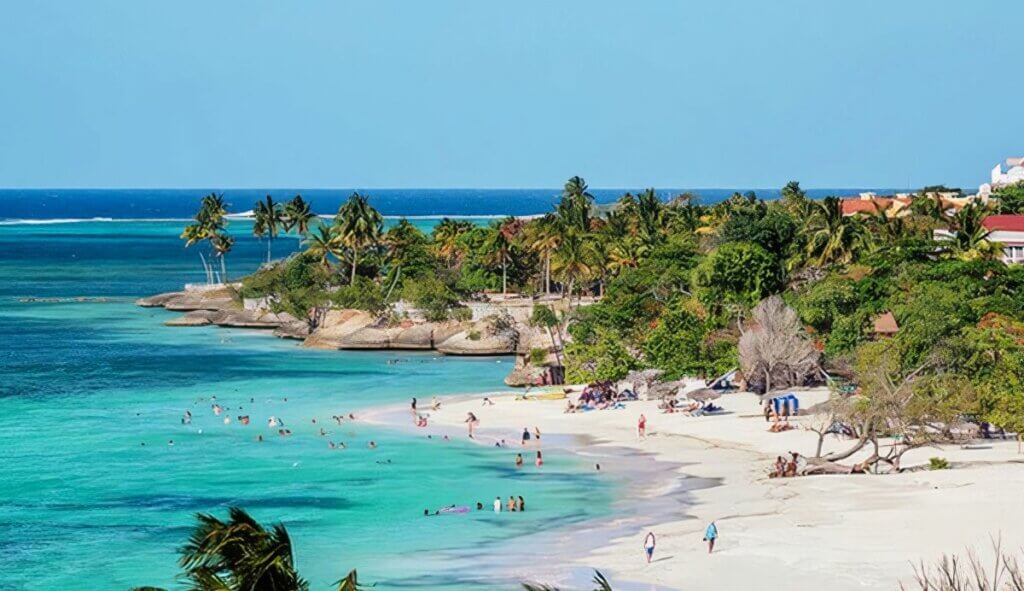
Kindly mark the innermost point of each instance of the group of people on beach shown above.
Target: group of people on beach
(785, 468)
(600, 396)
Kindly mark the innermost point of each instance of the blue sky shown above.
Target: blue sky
(508, 94)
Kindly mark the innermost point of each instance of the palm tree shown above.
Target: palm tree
(650, 212)
(297, 214)
(359, 226)
(574, 259)
(574, 208)
(222, 244)
(969, 232)
(268, 217)
(834, 238)
(500, 245)
(446, 236)
(240, 554)
(599, 580)
(323, 244)
(545, 235)
(209, 225)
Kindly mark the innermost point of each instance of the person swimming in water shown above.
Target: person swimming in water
(522, 504)
(540, 460)
(519, 460)
(511, 503)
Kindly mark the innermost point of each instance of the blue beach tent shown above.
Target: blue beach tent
(787, 404)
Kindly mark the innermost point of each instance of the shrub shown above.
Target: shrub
(363, 294)
(938, 464)
(431, 296)
(538, 356)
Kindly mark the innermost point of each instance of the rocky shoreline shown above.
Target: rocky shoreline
(348, 329)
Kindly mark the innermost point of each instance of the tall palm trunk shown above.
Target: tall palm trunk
(355, 262)
(504, 276)
(547, 273)
(206, 269)
(223, 270)
(556, 344)
(270, 243)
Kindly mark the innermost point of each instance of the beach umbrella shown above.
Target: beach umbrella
(704, 394)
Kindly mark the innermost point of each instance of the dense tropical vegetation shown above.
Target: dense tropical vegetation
(673, 284)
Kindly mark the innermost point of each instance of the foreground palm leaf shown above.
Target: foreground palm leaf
(599, 580)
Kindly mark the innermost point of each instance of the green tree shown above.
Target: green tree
(833, 239)
(432, 297)
(323, 244)
(1011, 199)
(210, 226)
(359, 227)
(682, 345)
(408, 254)
(602, 358)
(298, 213)
(268, 217)
(446, 238)
(738, 273)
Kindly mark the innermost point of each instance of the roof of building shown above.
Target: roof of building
(1004, 222)
(886, 324)
(852, 205)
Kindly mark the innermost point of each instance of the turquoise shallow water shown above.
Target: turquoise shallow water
(83, 385)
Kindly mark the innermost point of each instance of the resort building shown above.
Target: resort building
(870, 204)
(898, 205)
(1014, 174)
(1007, 230)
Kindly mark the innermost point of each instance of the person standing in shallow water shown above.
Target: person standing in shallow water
(497, 504)
(710, 535)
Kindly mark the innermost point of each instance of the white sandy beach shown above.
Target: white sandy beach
(819, 532)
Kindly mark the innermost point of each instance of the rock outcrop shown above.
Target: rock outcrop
(213, 298)
(352, 329)
(194, 318)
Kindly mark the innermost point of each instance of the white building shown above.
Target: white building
(1007, 230)
(1014, 174)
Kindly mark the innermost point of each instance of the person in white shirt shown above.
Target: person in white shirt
(497, 504)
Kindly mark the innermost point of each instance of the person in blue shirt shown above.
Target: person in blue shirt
(710, 535)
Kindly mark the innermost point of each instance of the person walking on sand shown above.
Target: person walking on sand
(526, 436)
(471, 423)
(497, 504)
(649, 544)
(710, 535)
(641, 428)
